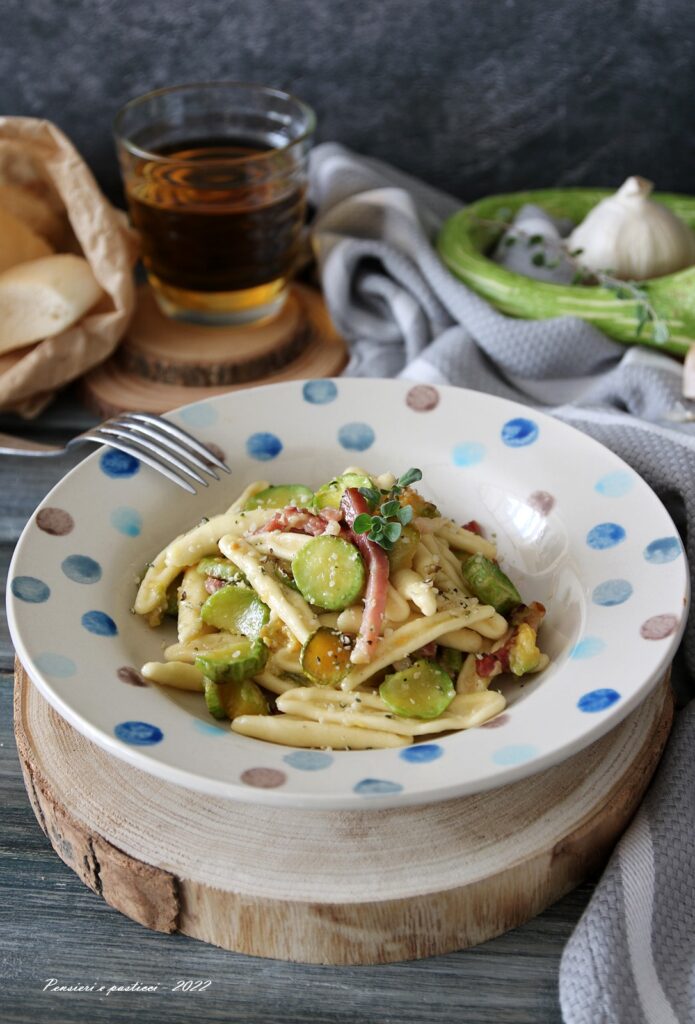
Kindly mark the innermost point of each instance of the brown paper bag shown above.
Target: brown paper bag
(30, 377)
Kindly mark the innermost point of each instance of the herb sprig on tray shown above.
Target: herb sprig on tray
(550, 252)
(385, 526)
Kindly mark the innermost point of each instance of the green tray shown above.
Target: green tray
(468, 235)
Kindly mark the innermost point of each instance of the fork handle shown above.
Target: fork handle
(10, 445)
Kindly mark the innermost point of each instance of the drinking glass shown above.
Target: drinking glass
(215, 179)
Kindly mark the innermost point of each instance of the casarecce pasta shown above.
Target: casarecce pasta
(355, 616)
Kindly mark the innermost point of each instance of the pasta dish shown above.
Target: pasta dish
(353, 617)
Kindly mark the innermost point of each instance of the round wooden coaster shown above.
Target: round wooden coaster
(163, 363)
(191, 355)
(359, 887)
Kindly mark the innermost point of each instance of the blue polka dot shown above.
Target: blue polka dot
(373, 787)
(31, 590)
(139, 734)
(421, 753)
(308, 760)
(118, 465)
(597, 700)
(81, 569)
(611, 592)
(470, 453)
(202, 414)
(99, 623)
(615, 485)
(56, 665)
(605, 535)
(263, 447)
(356, 437)
(126, 520)
(208, 729)
(665, 549)
(519, 432)
(319, 392)
(516, 753)
(588, 647)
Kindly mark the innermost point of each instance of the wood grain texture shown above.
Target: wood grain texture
(322, 887)
(164, 364)
(191, 355)
(54, 926)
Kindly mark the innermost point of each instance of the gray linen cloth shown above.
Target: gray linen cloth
(631, 959)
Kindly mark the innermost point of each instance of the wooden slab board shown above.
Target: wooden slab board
(360, 887)
(163, 363)
(192, 355)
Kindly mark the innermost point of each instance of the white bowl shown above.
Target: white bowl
(577, 529)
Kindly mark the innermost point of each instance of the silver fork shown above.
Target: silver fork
(151, 439)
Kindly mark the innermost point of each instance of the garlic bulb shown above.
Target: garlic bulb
(633, 237)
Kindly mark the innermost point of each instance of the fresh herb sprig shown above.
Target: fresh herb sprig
(385, 526)
(625, 290)
(550, 252)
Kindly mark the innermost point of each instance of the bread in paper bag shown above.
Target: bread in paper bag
(44, 297)
(27, 192)
(77, 318)
(18, 243)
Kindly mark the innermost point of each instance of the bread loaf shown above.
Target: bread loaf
(18, 243)
(44, 297)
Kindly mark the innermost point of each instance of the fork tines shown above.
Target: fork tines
(161, 445)
(174, 431)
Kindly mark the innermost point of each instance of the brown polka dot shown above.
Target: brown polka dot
(422, 398)
(263, 778)
(659, 627)
(55, 521)
(495, 722)
(216, 451)
(542, 502)
(130, 675)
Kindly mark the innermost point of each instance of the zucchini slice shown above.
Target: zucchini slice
(422, 691)
(402, 553)
(329, 572)
(172, 595)
(325, 657)
(489, 584)
(524, 655)
(213, 699)
(234, 698)
(220, 569)
(236, 609)
(330, 494)
(282, 571)
(281, 496)
(451, 661)
(240, 660)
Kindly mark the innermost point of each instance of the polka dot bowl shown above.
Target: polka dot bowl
(576, 528)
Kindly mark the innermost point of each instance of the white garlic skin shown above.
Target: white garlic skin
(633, 237)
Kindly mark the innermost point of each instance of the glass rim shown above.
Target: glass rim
(231, 85)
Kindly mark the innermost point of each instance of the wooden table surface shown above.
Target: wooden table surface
(55, 928)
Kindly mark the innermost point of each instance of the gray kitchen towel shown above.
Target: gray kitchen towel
(631, 959)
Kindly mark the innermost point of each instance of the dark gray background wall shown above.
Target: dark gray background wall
(477, 96)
